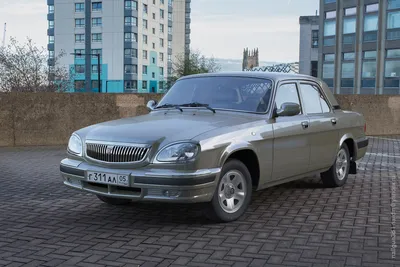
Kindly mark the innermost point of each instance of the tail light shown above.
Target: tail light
(365, 127)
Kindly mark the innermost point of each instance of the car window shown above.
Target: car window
(287, 93)
(314, 101)
(234, 93)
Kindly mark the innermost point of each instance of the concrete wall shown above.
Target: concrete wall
(49, 119)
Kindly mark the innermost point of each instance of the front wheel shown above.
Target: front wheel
(233, 193)
(337, 175)
(114, 201)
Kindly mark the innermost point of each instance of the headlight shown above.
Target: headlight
(178, 152)
(75, 145)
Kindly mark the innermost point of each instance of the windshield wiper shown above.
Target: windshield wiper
(196, 104)
(170, 106)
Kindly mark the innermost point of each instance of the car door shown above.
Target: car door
(291, 142)
(323, 133)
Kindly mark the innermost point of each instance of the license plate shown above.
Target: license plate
(108, 178)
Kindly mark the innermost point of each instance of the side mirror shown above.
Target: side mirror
(151, 105)
(288, 109)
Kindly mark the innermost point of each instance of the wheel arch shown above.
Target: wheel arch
(245, 153)
(348, 139)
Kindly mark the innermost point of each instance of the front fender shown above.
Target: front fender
(232, 148)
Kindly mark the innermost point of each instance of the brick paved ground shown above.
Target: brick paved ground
(43, 223)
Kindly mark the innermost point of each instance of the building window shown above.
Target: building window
(79, 68)
(315, 37)
(372, 8)
(96, 52)
(348, 70)
(162, 13)
(79, 38)
(154, 30)
(79, 7)
(154, 15)
(144, 54)
(131, 21)
(169, 44)
(350, 11)
(330, 28)
(97, 6)
(161, 71)
(169, 15)
(371, 23)
(79, 23)
(162, 2)
(392, 68)
(170, 29)
(369, 69)
(153, 60)
(393, 4)
(130, 85)
(328, 69)
(145, 24)
(161, 42)
(162, 28)
(170, 2)
(51, 24)
(51, 54)
(329, 1)
(393, 20)
(130, 5)
(95, 84)
(169, 58)
(51, 39)
(51, 9)
(330, 14)
(130, 37)
(95, 69)
(144, 38)
(97, 22)
(161, 85)
(349, 25)
(79, 85)
(79, 53)
(96, 37)
(145, 9)
(154, 46)
(130, 69)
(144, 84)
(161, 56)
(130, 52)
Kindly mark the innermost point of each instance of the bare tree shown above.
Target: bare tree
(192, 63)
(24, 68)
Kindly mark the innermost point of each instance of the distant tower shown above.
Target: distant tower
(250, 59)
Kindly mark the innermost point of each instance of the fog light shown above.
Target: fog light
(171, 193)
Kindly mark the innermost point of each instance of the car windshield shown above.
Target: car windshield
(219, 92)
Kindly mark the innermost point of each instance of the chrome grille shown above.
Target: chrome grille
(116, 153)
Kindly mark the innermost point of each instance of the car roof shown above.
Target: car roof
(276, 76)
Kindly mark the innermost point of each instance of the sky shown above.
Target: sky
(220, 28)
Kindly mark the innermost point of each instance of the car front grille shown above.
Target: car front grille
(116, 153)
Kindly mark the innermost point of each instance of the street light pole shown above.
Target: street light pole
(98, 66)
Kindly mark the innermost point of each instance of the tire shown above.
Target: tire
(334, 177)
(232, 195)
(114, 201)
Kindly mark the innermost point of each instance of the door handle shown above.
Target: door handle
(334, 121)
(304, 124)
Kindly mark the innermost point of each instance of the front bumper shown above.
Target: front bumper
(145, 184)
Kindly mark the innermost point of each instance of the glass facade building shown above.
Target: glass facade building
(360, 46)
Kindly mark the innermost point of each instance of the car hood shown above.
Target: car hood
(162, 127)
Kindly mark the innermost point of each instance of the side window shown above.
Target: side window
(287, 93)
(314, 101)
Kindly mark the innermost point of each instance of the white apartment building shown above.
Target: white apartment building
(135, 39)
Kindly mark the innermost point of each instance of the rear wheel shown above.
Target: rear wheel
(233, 193)
(114, 201)
(337, 175)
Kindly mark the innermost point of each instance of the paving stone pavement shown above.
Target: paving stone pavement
(43, 223)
